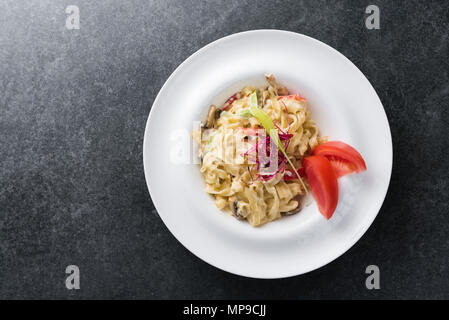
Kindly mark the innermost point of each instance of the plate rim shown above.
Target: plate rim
(179, 69)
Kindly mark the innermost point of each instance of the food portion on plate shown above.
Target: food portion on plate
(261, 153)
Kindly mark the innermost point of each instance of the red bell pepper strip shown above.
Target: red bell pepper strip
(293, 96)
(230, 100)
(289, 174)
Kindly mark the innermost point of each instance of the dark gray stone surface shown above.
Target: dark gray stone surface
(73, 106)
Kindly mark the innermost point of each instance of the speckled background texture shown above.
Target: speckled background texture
(73, 108)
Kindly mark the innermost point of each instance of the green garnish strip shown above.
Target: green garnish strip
(246, 112)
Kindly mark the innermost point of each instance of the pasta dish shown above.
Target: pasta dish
(252, 150)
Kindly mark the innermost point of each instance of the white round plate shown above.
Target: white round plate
(345, 107)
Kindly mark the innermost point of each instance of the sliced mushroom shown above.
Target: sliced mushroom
(265, 96)
(281, 90)
(297, 209)
(211, 117)
(260, 101)
(236, 208)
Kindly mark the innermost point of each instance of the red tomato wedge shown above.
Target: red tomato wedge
(323, 183)
(344, 158)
